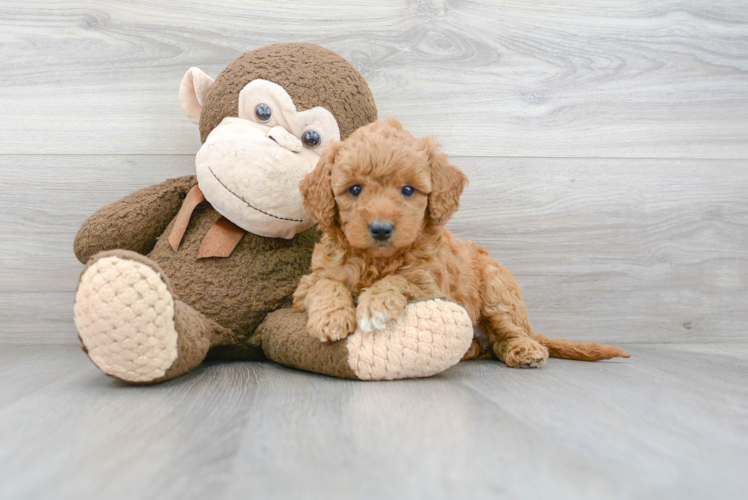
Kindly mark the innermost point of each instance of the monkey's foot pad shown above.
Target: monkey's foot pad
(427, 338)
(124, 312)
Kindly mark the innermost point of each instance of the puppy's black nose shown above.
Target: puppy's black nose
(381, 230)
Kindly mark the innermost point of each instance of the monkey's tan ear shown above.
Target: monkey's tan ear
(316, 189)
(192, 92)
(447, 183)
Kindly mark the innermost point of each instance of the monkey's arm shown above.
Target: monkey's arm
(134, 222)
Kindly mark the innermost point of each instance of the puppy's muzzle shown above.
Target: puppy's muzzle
(381, 231)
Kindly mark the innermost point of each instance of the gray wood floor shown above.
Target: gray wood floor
(607, 147)
(671, 422)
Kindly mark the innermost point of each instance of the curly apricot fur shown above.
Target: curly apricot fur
(421, 259)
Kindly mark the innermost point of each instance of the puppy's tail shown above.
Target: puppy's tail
(582, 351)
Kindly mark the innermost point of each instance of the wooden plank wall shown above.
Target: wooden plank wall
(605, 142)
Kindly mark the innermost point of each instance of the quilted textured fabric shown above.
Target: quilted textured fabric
(429, 337)
(125, 317)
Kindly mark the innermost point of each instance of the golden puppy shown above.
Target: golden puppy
(381, 199)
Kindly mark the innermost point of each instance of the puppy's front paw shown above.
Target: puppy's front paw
(375, 310)
(332, 325)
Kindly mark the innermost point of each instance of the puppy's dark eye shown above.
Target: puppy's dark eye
(355, 190)
(263, 113)
(311, 138)
(408, 191)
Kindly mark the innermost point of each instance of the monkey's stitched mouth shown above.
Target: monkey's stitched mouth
(249, 204)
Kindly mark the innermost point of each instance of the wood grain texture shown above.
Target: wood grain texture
(44, 202)
(618, 250)
(593, 79)
(667, 423)
(609, 250)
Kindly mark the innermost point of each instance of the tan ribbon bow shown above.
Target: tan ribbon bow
(222, 237)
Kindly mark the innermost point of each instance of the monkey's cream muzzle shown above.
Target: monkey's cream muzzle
(250, 166)
(250, 173)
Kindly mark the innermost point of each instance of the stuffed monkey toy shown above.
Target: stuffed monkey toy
(205, 266)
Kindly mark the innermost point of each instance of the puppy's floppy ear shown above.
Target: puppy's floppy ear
(316, 189)
(447, 183)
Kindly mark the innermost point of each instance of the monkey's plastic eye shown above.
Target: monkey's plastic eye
(263, 113)
(355, 190)
(408, 191)
(311, 138)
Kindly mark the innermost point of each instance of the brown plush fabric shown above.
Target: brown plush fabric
(196, 332)
(221, 301)
(312, 76)
(134, 222)
(285, 341)
(237, 292)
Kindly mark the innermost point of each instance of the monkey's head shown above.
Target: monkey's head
(264, 121)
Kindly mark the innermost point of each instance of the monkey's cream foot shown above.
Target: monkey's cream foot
(427, 338)
(125, 314)
(521, 352)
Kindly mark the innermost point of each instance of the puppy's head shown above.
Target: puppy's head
(381, 188)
